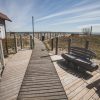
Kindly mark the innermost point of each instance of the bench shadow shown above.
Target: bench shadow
(44, 56)
(68, 68)
(95, 84)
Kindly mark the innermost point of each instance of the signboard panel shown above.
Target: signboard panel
(2, 32)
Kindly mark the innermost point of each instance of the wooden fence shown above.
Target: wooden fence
(62, 44)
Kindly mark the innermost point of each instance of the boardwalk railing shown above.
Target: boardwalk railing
(12, 44)
(16, 41)
(61, 44)
(23, 40)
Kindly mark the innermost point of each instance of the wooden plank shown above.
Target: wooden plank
(61, 97)
(58, 94)
(88, 95)
(71, 84)
(91, 99)
(74, 87)
(95, 96)
(75, 92)
(41, 78)
(81, 94)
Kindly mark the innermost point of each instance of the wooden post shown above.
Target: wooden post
(31, 42)
(50, 35)
(21, 42)
(41, 36)
(69, 45)
(15, 42)
(60, 34)
(2, 56)
(44, 36)
(33, 29)
(47, 35)
(87, 44)
(52, 44)
(6, 44)
(56, 51)
(55, 34)
(38, 35)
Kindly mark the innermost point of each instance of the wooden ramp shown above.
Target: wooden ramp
(41, 81)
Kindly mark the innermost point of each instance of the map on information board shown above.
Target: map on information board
(2, 32)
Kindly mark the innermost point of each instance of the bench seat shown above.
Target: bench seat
(84, 63)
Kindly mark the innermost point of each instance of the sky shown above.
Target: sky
(52, 15)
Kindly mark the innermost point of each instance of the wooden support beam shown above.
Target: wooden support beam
(38, 35)
(87, 44)
(31, 47)
(56, 49)
(55, 34)
(44, 36)
(15, 42)
(50, 35)
(69, 45)
(47, 35)
(52, 44)
(21, 43)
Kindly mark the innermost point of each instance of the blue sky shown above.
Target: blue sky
(52, 15)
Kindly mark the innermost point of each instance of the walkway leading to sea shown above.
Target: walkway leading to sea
(41, 81)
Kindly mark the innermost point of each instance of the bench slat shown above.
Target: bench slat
(82, 52)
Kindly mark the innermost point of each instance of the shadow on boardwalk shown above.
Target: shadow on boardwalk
(95, 84)
(69, 68)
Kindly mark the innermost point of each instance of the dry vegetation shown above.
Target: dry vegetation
(94, 42)
(11, 42)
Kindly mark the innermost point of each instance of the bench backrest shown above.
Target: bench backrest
(82, 52)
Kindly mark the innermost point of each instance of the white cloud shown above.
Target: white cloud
(76, 20)
(88, 25)
(72, 10)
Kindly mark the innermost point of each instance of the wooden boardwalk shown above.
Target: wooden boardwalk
(77, 85)
(41, 81)
(15, 68)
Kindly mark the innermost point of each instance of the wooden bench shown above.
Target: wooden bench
(81, 58)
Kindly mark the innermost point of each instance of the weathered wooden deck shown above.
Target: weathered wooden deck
(15, 68)
(41, 81)
(77, 85)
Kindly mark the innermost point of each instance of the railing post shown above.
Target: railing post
(44, 36)
(55, 35)
(31, 42)
(87, 44)
(52, 44)
(47, 35)
(50, 35)
(15, 42)
(21, 42)
(38, 35)
(56, 51)
(69, 45)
